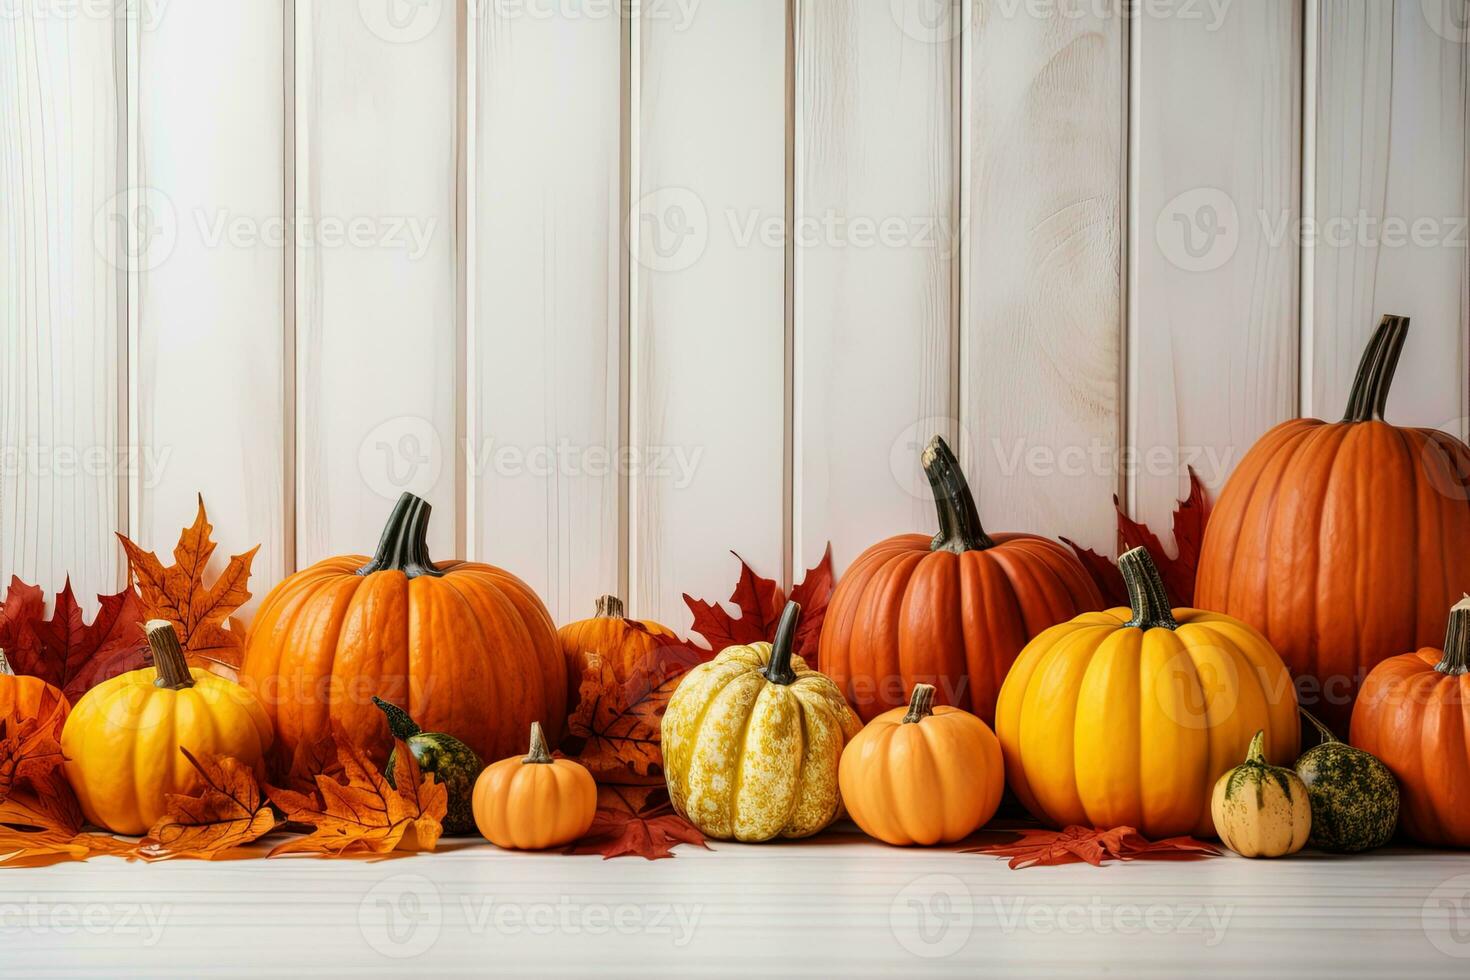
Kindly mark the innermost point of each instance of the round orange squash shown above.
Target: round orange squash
(922, 774)
(1127, 718)
(536, 802)
(466, 649)
(1413, 714)
(608, 634)
(951, 610)
(1344, 542)
(23, 698)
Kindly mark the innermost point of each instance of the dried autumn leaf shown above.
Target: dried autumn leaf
(29, 751)
(362, 813)
(227, 812)
(636, 821)
(1044, 848)
(200, 614)
(66, 651)
(615, 730)
(760, 601)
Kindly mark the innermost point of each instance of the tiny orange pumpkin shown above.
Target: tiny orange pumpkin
(611, 636)
(23, 698)
(536, 802)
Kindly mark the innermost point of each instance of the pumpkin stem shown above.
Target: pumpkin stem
(5, 669)
(1369, 395)
(609, 607)
(779, 671)
(1456, 641)
(539, 754)
(1257, 752)
(404, 546)
(400, 723)
(1323, 732)
(168, 656)
(959, 521)
(921, 704)
(1146, 592)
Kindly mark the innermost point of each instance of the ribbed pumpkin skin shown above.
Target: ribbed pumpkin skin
(122, 743)
(1416, 720)
(905, 615)
(1108, 725)
(1260, 810)
(23, 698)
(932, 781)
(472, 654)
(611, 637)
(530, 806)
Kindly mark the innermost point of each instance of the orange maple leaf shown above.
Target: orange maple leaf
(227, 812)
(200, 614)
(363, 813)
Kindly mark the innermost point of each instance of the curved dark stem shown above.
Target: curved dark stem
(1323, 732)
(1146, 592)
(779, 671)
(1457, 641)
(400, 723)
(921, 704)
(404, 546)
(959, 521)
(609, 607)
(1369, 395)
(168, 656)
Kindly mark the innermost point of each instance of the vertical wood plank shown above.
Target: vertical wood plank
(708, 305)
(875, 233)
(212, 398)
(378, 345)
(1214, 291)
(1390, 204)
(547, 320)
(64, 220)
(1043, 293)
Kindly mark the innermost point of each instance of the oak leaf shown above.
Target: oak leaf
(227, 812)
(66, 651)
(1074, 845)
(760, 601)
(636, 821)
(200, 613)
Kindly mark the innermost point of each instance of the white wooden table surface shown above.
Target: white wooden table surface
(837, 906)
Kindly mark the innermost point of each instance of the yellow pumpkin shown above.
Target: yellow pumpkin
(752, 740)
(922, 774)
(122, 739)
(1127, 717)
(536, 802)
(1261, 810)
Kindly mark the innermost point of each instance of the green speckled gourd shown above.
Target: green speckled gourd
(452, 762)
(752, 739)
(1355, 799)
(1261, 810)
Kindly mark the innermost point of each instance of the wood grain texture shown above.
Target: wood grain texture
(377, 337)
(64, 222)
(709, 305)
(1042, 375)
(876, 311)
(1390, 205)
(547, 323)
(1214, 289)
(211, 400)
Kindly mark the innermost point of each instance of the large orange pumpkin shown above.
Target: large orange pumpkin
(611, 636)
(1343, 542)
(1414, 714)
(23, 698)
(467, 649)
(951, 610)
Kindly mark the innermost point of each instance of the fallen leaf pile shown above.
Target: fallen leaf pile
(66, 651)
(636, 821)
(760, 601)
(1045, 848)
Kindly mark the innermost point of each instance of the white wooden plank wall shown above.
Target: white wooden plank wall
(619, 293)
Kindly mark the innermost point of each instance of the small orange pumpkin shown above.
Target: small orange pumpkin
(536, 802)
(1413, 713)
(23, 698)
(922, 775)
(609, 635)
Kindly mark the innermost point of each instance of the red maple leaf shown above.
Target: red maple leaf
(1190, 518)
(760, 601)
(1043, 848)
(636, 821)
(66, 650)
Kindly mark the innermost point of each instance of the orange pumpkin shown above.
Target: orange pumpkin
(952, 610)
(1343, 542)
(536, 802)
(1413, 714)
(921, 774)
(467, 649)
(608, 635)
(23, 698)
